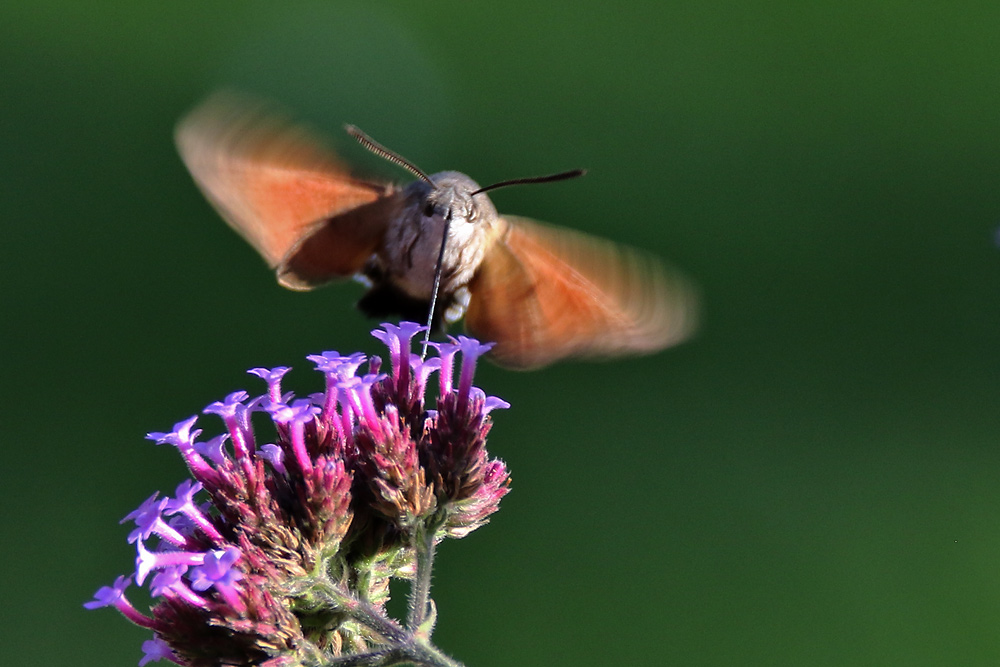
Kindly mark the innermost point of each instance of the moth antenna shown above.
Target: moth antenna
(438, 270)
(384, 152)
(561, 176)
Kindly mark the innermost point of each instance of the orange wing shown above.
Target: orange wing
(546, 293)
(277, 186)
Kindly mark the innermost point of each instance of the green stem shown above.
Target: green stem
(371, 659)
(423, 652)
(413, 651)
(421, 590)
(365, 613)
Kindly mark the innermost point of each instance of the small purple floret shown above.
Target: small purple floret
(147, 561)
(157, 649)
(114, 596)
(272, 376)
(491, 403)
(397, 339)
(274, 455)
(213, 449)
(148, 519)
(185, 504)
(166, 579)
(217, 570)
(228, 406)
(235, 415)
(181, 437)
(333, 362)
(301, 410)
(472, 349)
(446, 354)
(109, 595)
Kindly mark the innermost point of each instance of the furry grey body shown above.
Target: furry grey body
(402, 272)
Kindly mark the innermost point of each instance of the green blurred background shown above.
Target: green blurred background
(813, 480)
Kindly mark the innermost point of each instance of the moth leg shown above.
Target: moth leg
(459, 303)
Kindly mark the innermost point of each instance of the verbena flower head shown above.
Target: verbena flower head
(280, 549)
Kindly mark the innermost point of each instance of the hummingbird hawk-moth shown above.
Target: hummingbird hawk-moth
(541, 293)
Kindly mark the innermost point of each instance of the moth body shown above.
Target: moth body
(409, 254)
(541, 293)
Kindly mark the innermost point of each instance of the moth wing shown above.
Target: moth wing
(546, 293)
(279, 188)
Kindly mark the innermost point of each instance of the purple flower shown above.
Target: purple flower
(356, 393)
(471, 351)
(182, 437)
(147, 561)
(273, 378)
(282, 553)
(399, 340)
(217, 570)
(213, 449)
(170, 583)
(185, 504)
(157, 649)
(148, 518)
(295, 417)
(446, 355)
(114, 596)
(235, 414)
(274, 455)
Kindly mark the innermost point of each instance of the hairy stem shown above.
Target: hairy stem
(421, 590)
(424, 653)
(365, 613)
(413, 651)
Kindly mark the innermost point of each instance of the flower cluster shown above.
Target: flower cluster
(310, 507)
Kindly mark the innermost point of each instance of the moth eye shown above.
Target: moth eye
(429, 210)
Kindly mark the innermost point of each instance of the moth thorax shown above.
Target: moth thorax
(413, 245)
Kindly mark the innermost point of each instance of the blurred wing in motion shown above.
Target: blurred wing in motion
(545, 293)
(277, 186)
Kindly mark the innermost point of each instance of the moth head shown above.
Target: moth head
(454, 196)
(451, 195)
